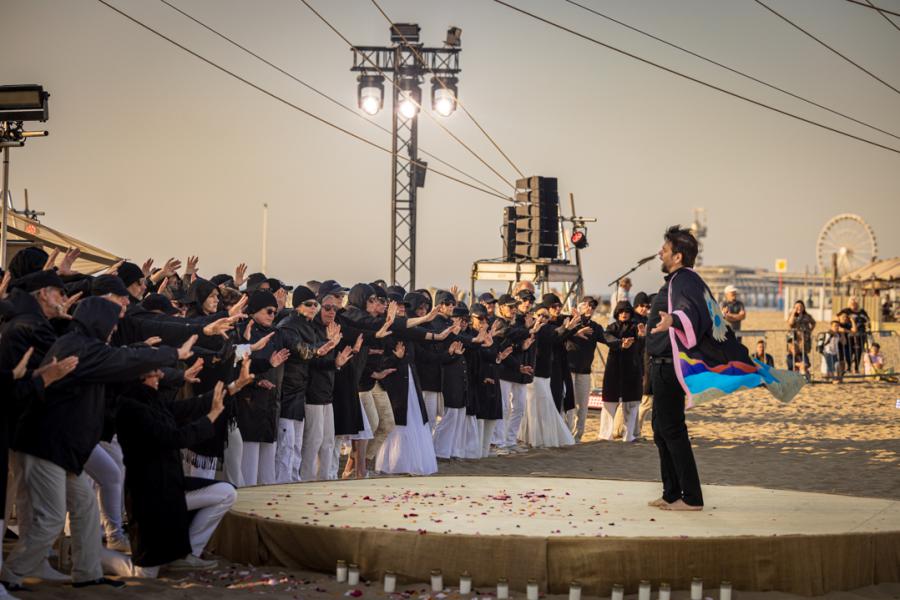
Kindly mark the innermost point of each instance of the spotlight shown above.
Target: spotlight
(579, 238)
(371, 93)
(443, 95)
(23, 103)
(410, 98)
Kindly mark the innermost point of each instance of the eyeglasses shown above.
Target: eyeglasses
(270, 311)
(448, 303)
(310, 304)
(330, 307)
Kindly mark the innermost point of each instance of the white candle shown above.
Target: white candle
(665, 591)
(437, 581)
(725, 591)
(353, 575)
(697, 589)
(465, 583)
(618, 592)
(502, 589)
(341, 571)
(390, 582)
(531, 590)
(644, 590)
(574, 591)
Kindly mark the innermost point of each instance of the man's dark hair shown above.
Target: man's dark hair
(684, 242)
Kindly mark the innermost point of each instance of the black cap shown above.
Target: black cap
(379, 291)
(590, 300)
(129, 273)
(255, 280)
(478, 310)
(330, 286)
(549, 300)
(395, 289)
(158, 302)
(525, 295)
(277, 284)
(395, 297)
(222, 279)
(641, 298)
(507, 300)
(39, 280)
(442, 296)
(301, 295)
(259, 300)
(460, 310)
(486, 298)
(108, 284)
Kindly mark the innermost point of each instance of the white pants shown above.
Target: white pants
(646, 406)
(582, 387)
(234, 451)
(486, 429)
(258, 463)
(385, 420)
(109, 477)
(432, 401)
(608, 420)
(287, 454)
(513, 397)
(52, 492)
(211, 504)
(317, 451)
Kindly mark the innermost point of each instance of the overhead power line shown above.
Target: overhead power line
(319, 92)
(694, 79)
(844, 56)
(444, 85)
(418, 104)
(883, 11)
(288, 102)
(731, 69)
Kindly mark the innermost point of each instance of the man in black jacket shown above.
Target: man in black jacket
(515, 371)
(580, 350)
(58, 434)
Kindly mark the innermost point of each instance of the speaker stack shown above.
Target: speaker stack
(531, 225)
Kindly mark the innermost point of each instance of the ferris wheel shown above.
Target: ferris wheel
(848, 237)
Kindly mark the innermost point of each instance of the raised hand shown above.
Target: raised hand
(218, 402)
(114, 268)
(529, 321)
(641, 329)
(443, 335)
(51, 259)
(400, 350)
(171, 267)
(526, 370)
(162, 286)
(22, 366)
(343, 356)
(454, 289)
(55, 370)
(277, 359)
(238, 307)
(240, 274)
(504, 354)
(379, 375)
(572, 322)
(4, 283)
(219, 327)
(185, 352)
(333, 332)
(627, 343)
(153, 340)
(65, 267)
(248, 330)
(358, 345)
(147, 267)
(67, 304)
(191, 265)
(665, 321)
(528, 342)
(584, 333)
(265, 384)
(192, 374)
(261, 342)
(245, 377)
(393, 309)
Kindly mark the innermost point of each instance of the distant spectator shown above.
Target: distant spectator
(857, 341)
(761, 355)
(874, 362)
(733, 309)
(622, 294)
(848, 328)
(802, 325)
(833, 352)
(797, 360)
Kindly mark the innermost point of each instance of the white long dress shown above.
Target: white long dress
(408, 448)
(543, 426)
(456, 436)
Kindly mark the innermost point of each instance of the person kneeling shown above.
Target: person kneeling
(158, 496)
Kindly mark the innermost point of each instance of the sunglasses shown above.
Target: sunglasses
(330, 307)
(448, 303)
(310, 304)
(270, 311)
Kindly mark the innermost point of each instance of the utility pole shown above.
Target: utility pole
(405, 63)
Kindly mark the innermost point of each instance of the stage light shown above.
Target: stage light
(371, 93)
(410, 98)
(23, 103)
(579, 239)
(408, 106)
(453, 35)
(443, 95)
(405, 32)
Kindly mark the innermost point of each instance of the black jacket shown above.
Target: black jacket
(66, 426)
(321, 370)
(258, 407)
(298, 335)
(152, 432)
(397, 383)
(513, 334)
(580, 352)
(622, 379)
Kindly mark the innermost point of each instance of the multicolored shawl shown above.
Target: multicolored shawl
(709, 360)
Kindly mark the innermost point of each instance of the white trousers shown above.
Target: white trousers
(581, 383)
(234, 451)
(486, 429)
(211, 504)
(317, 451)
(109, 476)
(646, 406)
(383, 424)
(287, 453)
(258, 463)
(432, 401)
(513, 397)
(52, 492)
(608, 420)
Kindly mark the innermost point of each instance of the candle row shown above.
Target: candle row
(350, 574)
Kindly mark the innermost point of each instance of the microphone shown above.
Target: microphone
(644, 261)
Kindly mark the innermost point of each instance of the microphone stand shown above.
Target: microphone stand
(639, 264)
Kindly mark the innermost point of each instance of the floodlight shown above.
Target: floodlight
(371, 93)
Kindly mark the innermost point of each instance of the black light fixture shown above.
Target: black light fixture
(23, 103)
(579, 238)
(443, 95)
(405, 32)
(453, 37)
(370, 94)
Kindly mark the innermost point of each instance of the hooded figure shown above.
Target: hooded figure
(198, 293)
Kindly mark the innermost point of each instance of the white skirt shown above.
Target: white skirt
(543, 426)
(408, 448)
(366, 432)
(456, 436)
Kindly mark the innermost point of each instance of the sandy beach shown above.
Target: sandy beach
(838, 439)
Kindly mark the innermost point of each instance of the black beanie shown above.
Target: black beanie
(259, 300)
(301, 295)
(108, 284)
(27, 260)
(129, 273)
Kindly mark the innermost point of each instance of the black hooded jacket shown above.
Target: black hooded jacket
(66, 426)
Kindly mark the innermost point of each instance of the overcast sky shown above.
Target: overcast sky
(154, 153)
